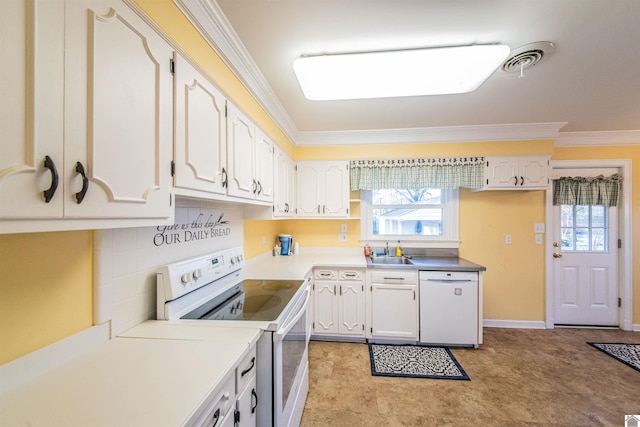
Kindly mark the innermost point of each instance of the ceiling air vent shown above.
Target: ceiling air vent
(527, 56)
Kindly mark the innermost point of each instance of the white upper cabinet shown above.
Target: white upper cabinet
(517, 173)
(284, 173)
(200, 133)
(249, 158)
(31, 110)
(86, 117)
(118, 113)
(322, 189)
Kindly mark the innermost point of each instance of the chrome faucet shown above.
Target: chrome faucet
(386, 249)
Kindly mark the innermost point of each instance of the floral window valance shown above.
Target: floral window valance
(587, 191)
(444, 173)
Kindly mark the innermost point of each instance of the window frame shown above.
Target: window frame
(449, 202)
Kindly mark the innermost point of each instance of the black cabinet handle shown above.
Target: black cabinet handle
(225, 179)
(85, 183)
(516, 183)
(246, 371)
(521, 181)
(49, 192)
(259, 187)
(216, 417)
(254, 395)
(255, 186)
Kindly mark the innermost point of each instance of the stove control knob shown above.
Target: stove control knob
(197, 274)
(233, 260)
(185, 278)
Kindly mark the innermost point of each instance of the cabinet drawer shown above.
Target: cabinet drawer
(394, 276)
(246, 370)
(218, 407)
(350, 275)
(325, 274)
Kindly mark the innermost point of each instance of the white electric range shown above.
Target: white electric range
(211, 290)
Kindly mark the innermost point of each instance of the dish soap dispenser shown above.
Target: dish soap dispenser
(398, 249)
(367, 250)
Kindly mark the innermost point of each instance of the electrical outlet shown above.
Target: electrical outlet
(342, 237)
(507, 239)
(538, 228)
(264, 240)
(344, 228)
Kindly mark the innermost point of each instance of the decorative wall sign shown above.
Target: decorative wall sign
(201, 228)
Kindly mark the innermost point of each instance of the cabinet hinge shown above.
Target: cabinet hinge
(371, 330)
(362, 328)
(225, 110)
(619, 243)
(347, 211)
(172, 66)
(236, 417)
(619, 302)
(173, 168)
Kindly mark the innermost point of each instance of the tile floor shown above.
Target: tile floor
(518, 377)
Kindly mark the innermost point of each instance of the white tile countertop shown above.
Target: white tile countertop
(131, 381)
(296, 267)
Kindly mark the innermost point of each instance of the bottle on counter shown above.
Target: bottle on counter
(367, 250)
(296, 248)
(398, 249)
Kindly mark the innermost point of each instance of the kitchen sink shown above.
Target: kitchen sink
(390, 260)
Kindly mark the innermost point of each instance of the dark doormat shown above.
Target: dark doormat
(629, 354)
(392, 360)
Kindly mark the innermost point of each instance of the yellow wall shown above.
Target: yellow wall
(45, 289)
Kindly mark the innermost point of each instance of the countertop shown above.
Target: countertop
(296, 267)
(132, 381)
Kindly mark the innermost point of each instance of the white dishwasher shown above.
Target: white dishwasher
(449, 308)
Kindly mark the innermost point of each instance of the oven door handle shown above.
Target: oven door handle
(280, 334)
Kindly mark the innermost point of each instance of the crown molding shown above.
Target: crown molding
(213, 25)
(521, 131)
(577, 139)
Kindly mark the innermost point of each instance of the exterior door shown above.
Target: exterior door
(584, 240)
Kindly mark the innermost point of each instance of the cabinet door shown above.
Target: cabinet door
(535, 172)
(118, 113)
(351, 308)
(325, 308)
(241, 136)
(335, 190)
(247, 404)
(31, 107)
(503, 172)
(201, 131)
(307, 194)
(394, 311)
(284, 180)
(264, 167)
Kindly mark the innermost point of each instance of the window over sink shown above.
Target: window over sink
(426, 217)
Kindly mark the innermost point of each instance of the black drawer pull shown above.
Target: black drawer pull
(85, 183)
(246, 371)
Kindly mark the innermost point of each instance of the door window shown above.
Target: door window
(584, 228)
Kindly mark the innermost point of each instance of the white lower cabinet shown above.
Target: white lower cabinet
(393, 305)
(338, 302)
(247, 397)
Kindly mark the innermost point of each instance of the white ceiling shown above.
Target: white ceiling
(590, 83)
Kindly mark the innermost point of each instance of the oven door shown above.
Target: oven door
(290, 365)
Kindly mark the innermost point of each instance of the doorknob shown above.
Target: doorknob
(557, 255)
(555, 244)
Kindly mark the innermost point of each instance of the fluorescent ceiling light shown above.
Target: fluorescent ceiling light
(435, 71)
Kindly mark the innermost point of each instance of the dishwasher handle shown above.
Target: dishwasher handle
(448, 280)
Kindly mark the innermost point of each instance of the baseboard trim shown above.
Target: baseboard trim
(19, 371)
(635, 327)
(520, 324)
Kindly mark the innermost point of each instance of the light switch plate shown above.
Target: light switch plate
(344, 228)
(538, 227)
(342, 237)
(538, 239)
(507, 239)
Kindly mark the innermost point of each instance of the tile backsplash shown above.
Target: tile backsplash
(126, 259)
